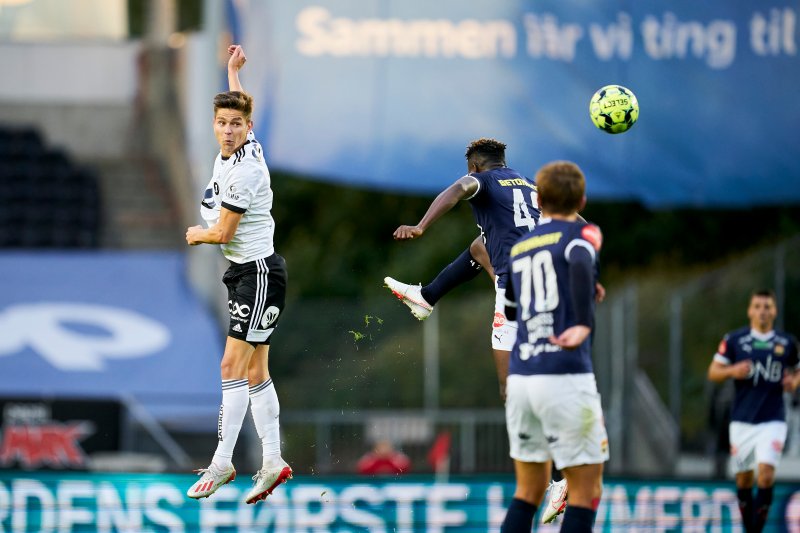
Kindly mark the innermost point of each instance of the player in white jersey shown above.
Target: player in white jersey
(236, 206)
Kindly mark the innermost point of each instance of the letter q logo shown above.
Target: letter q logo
(45, 328)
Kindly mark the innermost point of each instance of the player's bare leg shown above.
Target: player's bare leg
(532, 480)
(585, 489)
(266, 412)
(233, 370)
(478, 251)
(501, 358)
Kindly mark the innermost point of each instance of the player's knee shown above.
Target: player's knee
(230, 368)
(766, 475)
(477, 250)
(598, 490)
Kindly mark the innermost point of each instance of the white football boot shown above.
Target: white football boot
(411, 295)
(265, 481)
(557, 501)
(212, 479)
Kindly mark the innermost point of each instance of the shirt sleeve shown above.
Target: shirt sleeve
(581, 281)
(480, 187)
(240, 187)
(722, 355)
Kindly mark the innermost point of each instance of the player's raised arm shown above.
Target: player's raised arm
(235, 64)
(464, 188)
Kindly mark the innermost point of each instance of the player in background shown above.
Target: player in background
(763, 363)
(237, 208)
(553, 410)
(504, 206)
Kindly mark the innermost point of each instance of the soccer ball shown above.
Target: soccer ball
(614, 109)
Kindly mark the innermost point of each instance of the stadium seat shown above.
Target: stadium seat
(53, 202)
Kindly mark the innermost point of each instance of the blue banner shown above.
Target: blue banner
(387, 93)
(46, 502)
(108, 325)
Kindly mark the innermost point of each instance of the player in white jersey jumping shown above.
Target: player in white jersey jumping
(236, 206)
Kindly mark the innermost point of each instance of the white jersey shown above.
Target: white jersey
(241, 183)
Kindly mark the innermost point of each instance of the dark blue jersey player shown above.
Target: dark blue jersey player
(558, 250)
(553, 410)
(763, 363)
(504, 204)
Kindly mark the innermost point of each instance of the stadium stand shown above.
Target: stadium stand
(53, 202)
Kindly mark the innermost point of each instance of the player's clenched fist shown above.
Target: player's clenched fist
(192, 235)
(404, 233)
(741, 370)
(237, 59)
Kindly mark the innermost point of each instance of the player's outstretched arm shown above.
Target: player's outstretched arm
(463, 188)
(235, 64)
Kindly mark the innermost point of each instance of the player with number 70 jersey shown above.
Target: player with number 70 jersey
(540, 266)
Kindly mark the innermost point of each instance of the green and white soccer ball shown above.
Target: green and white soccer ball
(614, 109)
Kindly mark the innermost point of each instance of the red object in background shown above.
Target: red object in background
(439, 453)
(384, 459)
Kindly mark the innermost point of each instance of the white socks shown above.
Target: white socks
(231, 416)
(266, 409)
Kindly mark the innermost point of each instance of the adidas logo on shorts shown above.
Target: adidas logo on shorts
(237, 328)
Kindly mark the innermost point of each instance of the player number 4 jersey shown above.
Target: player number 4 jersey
(759, 397)
(505, 208)
(241, 183)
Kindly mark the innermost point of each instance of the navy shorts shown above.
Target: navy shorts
(256, 298)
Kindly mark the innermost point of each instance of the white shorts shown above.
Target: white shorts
(752, 444)
(556, 417)
(504, 332)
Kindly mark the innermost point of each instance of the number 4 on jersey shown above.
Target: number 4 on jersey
(522, 216)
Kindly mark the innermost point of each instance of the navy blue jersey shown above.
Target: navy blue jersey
(759, 397)
(505, 208)
(541, 287)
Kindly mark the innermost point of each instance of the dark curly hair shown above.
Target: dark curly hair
(486, 151)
